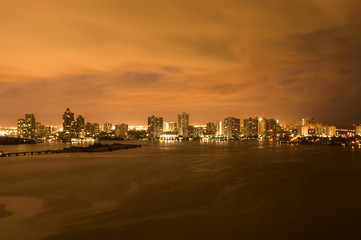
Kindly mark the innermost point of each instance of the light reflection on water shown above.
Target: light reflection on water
(175, 190)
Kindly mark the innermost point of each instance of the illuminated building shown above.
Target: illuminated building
(183, 124)
(198, 131)
(250, 127)
(220, 128)
(211, 128)
(232, 127)
(306, 122)
(121, 130)
(96, 129)
(331, 131)
(311, 131)
(358, 130)
(169, 127)
(30, 125)
(345, 132)
(273, 126)
(302, 131)
(191, 131)
(40, 130)
(68, 123)
(321, 130)
(21, 128)
(262, 127)
(27, 126)
(155, 127)
(80, 126)
(92, 129)
(107, 127)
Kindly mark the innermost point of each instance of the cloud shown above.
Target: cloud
(123, 60)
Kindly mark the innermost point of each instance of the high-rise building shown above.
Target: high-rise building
(198, 131)
(121, 130)
(232, 127)
(21, 128)
(273, 126)
(211, 128)
(49, 130)
(250, 127)
(169, 127)
(40, 130)
(27, 126)
(155, 127)
(30, 125)
(183, 124)
(68, 123)
(358, 130)
(191, 131)
(331, 131)
(302, 131)
(220, 128)
(80, 126)
(321, 130)
(262, 127)
(96, 129)
(306, 122)
(107, 127)
(89, 129)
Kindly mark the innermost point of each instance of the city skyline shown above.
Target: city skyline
(78, 129)
(175, 118)
(119, 60)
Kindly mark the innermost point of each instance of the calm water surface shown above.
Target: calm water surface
(234, 190)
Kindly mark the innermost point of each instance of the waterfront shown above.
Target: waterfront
(191, 190)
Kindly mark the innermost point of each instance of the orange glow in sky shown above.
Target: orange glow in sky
(122, 61)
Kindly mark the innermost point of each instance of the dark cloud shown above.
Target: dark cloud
(121, 61)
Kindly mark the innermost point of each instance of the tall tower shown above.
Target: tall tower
(121, 130)
(232, 127)
(250, 127)
(21, 128)
(30, 125)
(107, 127)
(80, 126)
(155, 126)
(68, 123)
(220, 128)
(183, 124)
(262, 127)
(211, 128)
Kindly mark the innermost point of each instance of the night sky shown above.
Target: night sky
(122, 61)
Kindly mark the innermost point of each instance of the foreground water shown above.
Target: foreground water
(234, 190)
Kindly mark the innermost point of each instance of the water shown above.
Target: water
(230, 190)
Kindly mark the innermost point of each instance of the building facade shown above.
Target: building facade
(250, 127)
(219, 128)
(155, 127)
(68, 124)
(232, 127)
(183, 124)
(169, 127)
(121, 130)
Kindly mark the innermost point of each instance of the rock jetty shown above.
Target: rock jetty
(96, 147)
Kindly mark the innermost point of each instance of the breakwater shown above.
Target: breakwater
(97, 147)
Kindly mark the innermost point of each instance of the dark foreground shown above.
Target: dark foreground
(241, 190)
(96, 147)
